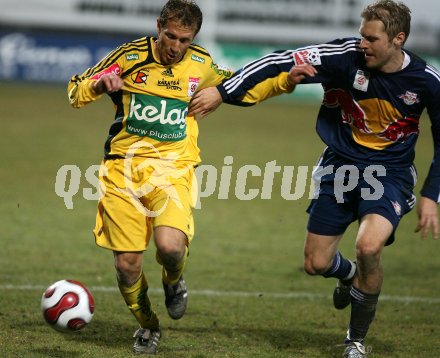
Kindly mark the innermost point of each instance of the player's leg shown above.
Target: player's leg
(172, 250)
(323, 258)
(124, 229)
(171, 253)
(173, 231)
(134, 287)
(328, 220)
(374, 231)
(379, 220)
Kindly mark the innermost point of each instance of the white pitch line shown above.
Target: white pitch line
(246, 294)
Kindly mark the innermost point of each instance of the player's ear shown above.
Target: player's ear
(158, 26)
(399, 39)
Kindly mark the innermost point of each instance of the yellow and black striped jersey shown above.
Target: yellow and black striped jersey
(151, 109)
(152, 106)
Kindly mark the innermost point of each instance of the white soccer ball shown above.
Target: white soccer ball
(67, 305)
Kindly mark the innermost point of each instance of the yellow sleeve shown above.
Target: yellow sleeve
(271, 87)
(80, 91)
(215, 74)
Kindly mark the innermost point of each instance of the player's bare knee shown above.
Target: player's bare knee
(309, 269)
(128, 268)
(314, 265)
(170, 253)
(127, 276)
(367, 251)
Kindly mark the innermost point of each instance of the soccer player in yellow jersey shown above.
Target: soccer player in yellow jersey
(150, 155)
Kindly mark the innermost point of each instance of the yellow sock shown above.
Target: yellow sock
(139, 304)
(171, 274)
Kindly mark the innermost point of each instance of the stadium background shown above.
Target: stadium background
(249, 296)
(42, 40)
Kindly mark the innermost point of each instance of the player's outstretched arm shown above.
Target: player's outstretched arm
(428, 218)
(209, 99)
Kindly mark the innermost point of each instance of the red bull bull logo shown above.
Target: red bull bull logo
(375, 123)
(401, 129)
(351, 111)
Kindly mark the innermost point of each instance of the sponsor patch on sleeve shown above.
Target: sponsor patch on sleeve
(308, 56)
(114, 69)
(221, 70)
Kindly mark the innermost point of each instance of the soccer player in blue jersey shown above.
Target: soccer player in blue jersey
(374, 94)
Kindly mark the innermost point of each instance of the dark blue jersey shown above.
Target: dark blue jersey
(366, 116)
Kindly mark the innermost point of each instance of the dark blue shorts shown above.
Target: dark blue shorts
(345, 192)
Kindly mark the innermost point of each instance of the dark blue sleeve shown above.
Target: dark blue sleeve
(332, 60)
(431, 186)
(255, 72)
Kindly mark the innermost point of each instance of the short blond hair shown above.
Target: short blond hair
(395, 16)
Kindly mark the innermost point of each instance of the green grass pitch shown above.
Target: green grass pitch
(249, 296)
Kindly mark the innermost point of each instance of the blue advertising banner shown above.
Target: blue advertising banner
(50, 56)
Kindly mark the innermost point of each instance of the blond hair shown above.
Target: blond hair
(395, 16)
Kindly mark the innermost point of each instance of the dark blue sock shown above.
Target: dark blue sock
(341, 268)
(363, 309)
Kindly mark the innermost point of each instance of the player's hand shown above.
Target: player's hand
(298, 73)
(428, 218)
(108, 83)
(205, 102)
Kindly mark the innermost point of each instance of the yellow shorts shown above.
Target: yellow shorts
(136, 198)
